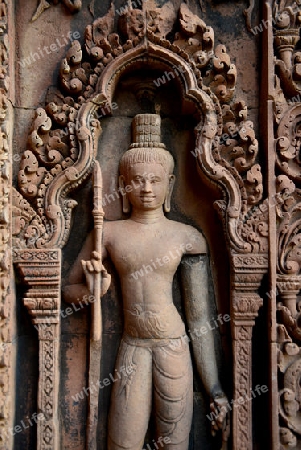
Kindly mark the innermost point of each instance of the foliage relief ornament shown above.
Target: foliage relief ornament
(286, 21)
(63, 140)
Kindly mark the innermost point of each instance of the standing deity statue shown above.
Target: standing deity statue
(146, 250)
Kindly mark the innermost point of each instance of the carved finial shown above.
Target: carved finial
(158, 108)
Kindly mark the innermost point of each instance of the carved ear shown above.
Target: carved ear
(171, 183)
(125, 201)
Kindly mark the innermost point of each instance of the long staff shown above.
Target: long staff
(96, 316)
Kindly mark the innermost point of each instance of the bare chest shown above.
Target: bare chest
(156, 248)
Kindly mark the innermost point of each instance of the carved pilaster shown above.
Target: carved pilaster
(248, 271)
(41, 271)
(6, 294)
(288, 286)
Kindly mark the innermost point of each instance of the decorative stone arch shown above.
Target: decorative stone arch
(58, 162)
(87, 135)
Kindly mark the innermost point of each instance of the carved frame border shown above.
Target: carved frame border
(248, 258)
(7, 352)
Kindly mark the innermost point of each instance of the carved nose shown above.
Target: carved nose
(146, 187)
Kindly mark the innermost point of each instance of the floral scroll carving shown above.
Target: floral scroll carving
(287, 20)
(287, 16)
(288, 310)
(6, 298)
(288, 144)
(59, 132)
(63, 141)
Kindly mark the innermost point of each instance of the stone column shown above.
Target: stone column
(247, 274)
(7, 297)
(288, 287)
(41, 272)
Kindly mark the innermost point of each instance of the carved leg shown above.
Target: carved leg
(131, 398)
(173, 394)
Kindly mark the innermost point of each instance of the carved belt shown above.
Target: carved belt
(138, 342)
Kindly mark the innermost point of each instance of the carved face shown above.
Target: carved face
(150, 185)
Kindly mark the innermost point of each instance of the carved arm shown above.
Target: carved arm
(195, 290)
(194, 274)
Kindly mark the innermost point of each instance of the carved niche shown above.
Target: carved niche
(61, 152)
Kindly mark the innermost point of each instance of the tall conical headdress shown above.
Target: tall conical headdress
(146, 130)
(146, 146)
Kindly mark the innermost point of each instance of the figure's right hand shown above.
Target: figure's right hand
(93, 267)
(220, 407)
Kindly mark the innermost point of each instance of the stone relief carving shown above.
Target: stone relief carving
(288, 287)
(154, 338)
(286, 22)
(58, 133)
(40, 268)
(71, 5)
(6, 120)
(248, 14)
(63, 141)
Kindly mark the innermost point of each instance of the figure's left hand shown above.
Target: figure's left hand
(93, 267)
(220, 407)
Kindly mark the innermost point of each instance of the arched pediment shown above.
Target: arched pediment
(64, 136)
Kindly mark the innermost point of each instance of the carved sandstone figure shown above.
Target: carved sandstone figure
(146, 250)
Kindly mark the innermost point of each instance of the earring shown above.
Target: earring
(125, 204)
(167, 204)
(125, 201)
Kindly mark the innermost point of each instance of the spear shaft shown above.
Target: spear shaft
(98, 215)
(96, 316)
